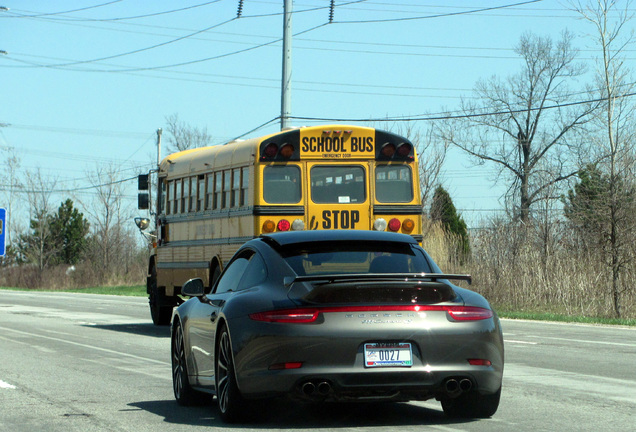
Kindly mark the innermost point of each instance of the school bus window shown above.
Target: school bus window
(281, 184)
(209, 196)
(245, 177)
(218, 189)
(161, 200)
(193, 194)
(227, 188)
(393, 184)
(200, 192)
(236, 187)
(177, 196)
(184, 197)
(337, 185)
(169, 196)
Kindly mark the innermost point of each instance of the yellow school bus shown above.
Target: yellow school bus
(211, 200)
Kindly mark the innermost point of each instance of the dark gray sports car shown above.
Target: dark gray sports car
(336, 316)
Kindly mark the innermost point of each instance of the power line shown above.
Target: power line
(113, 19)
(60, 13)
(437, 15)
(424, 117)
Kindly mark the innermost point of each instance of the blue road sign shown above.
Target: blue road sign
(3, 228)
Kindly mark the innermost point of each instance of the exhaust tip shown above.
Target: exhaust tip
(451, 386)
(324, 388)
(465, 385)
(308, 388)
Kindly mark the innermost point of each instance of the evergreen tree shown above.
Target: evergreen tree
(69, 228)
(443, 210)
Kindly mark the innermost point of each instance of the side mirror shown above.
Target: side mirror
(142, 223)
(193, 288)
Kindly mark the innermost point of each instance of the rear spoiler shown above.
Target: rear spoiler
(288, 281)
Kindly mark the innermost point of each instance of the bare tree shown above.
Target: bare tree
(521, 124)
(182, 136)
(431, 153)
(109, 218)
(11, 186)
(37, 246)
(615, 121)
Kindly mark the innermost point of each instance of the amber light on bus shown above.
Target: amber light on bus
(408, 225)
(269, 226)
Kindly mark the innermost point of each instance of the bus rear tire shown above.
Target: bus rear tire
(160, 305)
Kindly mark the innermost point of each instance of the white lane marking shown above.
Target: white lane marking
(587, 341)
(4, 385)
(96, 348)
(520, 342)
(620, 390)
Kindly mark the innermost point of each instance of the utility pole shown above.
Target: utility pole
(159, 131)
(285, 110)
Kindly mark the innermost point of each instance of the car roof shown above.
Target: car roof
(295, 237)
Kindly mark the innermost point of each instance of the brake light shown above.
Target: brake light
(283, 225)
(394, 225)
(299, 316)
(310, 315)
(288, 365)
(479, 362)
(470, 313)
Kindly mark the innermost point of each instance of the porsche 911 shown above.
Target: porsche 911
(336, 316)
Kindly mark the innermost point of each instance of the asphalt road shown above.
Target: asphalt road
(73, 362)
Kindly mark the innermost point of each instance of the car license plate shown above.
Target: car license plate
(388, 354)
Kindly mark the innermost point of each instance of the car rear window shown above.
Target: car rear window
(361, 257)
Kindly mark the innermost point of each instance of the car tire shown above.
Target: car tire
(183, 391)
(160, 313)
(230, 402)
(472, 405)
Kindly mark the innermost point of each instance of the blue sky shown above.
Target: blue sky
(87, 83)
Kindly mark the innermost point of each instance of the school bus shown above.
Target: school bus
(211, 200)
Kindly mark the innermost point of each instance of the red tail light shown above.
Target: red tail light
(394, 225)
(310, 315)
(283, 225)
(479, 362)
(468, 313)
(300, 316)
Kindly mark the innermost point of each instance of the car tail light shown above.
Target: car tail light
(300, 316)
(269, 226)
(394, 225)
(283, 225)
(288, 365)
(310, 315)
(408, 225)
(479, 362)
(469, 313)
